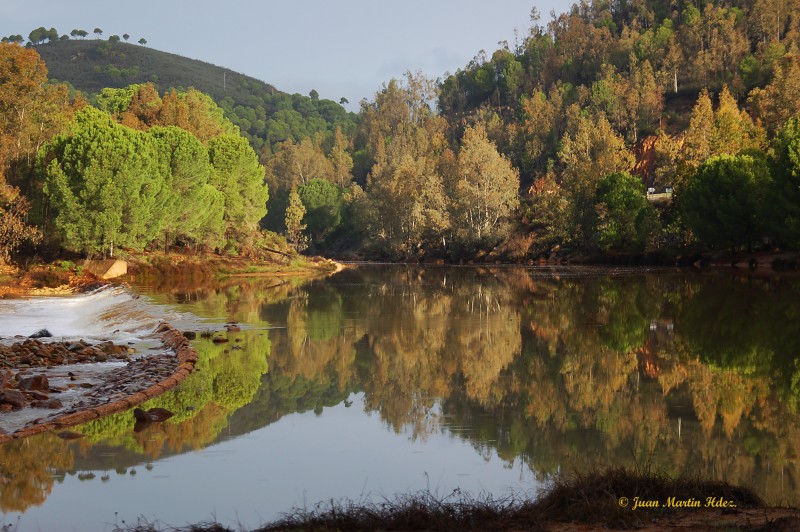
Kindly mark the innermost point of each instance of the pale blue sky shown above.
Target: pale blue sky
(340, 48)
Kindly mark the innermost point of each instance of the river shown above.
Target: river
(385, 380)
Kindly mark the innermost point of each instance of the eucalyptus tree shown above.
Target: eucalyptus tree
(405, 187)
(486, 190)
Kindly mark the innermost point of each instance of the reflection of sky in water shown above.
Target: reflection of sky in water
(298, 460)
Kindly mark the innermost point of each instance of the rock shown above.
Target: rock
(190, 335)
(233, 328)
(106, 269)
(153, 415)
(50, 403)
(38, 396)
(69, 435)
(37, 382)
(106, 347)
(14, 398)
(41, 333)
(219, 340)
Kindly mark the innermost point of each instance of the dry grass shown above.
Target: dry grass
(595, 497)
(590, 499)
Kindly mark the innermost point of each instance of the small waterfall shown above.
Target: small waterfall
(109, 313)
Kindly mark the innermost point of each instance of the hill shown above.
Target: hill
(265, 115)
(91, 65)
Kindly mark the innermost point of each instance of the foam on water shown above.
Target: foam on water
(109, 313)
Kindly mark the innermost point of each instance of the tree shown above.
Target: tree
(203, 117)
(32, 111)
(14, 227)
(724, 131)
(38, 35)
(590, 149)
(142, 41)
(780, 99)
(624, 217)
(404, 140)
(487, 190)
(126, 37)
(723, 203)
(700, 135)
(98, 32)
(113, 38)
(239, 176)
(296, 163)
(786, 195)
(191, 207)
(143, 109)
(22, 77)
(103, 179)
(546, 212)
(322, 201)
(542, 126)
(735, 131)
(295, 212)
(341, 159)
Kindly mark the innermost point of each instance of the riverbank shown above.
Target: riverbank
(617, 499)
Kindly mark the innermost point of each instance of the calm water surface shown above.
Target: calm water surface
(387, 379)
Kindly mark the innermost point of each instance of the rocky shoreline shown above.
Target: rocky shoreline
(23, 385)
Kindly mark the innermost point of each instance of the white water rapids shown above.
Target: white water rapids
(110, 313)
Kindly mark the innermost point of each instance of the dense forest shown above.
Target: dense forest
(555, 142)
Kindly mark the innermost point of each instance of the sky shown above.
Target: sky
(340, 48)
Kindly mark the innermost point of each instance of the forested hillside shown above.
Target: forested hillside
(265, 115)
(545, 145)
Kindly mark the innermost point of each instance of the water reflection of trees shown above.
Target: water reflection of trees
(556, 369)
(26, 470)
(692, 374)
